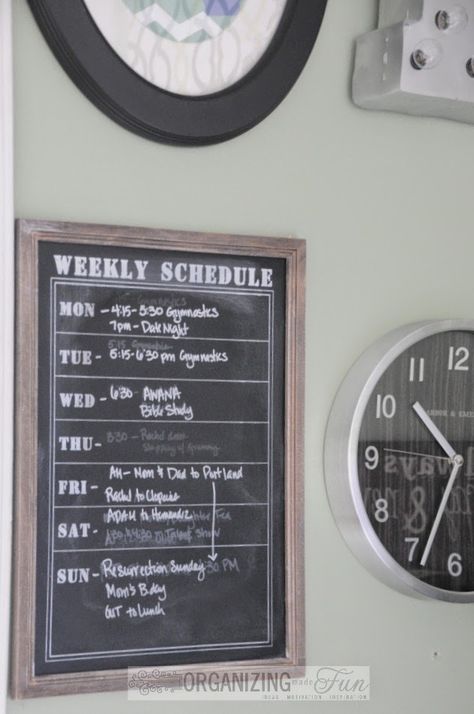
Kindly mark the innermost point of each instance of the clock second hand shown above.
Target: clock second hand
(458, 462)
(418, 453)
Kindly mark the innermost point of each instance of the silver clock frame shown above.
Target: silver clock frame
(340, 458)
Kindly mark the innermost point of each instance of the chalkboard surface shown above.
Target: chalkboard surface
(160, 466)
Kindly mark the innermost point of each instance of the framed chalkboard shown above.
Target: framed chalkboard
(159, 485)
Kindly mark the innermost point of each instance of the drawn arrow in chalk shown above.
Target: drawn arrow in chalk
(213, 554)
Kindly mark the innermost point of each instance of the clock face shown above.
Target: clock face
(416, 460)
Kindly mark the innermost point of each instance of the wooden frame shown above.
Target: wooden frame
(156, 114)
(24, 682)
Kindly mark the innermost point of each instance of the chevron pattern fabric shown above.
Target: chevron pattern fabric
(186, 20)
(189, 47)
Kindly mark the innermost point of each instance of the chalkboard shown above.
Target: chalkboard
(158, 454)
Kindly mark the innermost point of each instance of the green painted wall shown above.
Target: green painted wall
(385, 203)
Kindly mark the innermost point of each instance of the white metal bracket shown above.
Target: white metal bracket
(420, 60)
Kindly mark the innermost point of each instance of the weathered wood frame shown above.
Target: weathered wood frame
(24, 682)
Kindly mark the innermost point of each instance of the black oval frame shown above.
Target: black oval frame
(156, 114)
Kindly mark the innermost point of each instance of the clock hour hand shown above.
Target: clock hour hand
(433, 429)
(458, 462)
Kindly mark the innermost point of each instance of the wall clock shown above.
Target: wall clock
(399, 459)
(182, 71)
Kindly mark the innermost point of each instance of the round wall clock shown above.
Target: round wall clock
(182, 71)
(399, 459)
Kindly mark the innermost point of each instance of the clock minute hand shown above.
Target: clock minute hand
(433, 429)
(458, 462)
